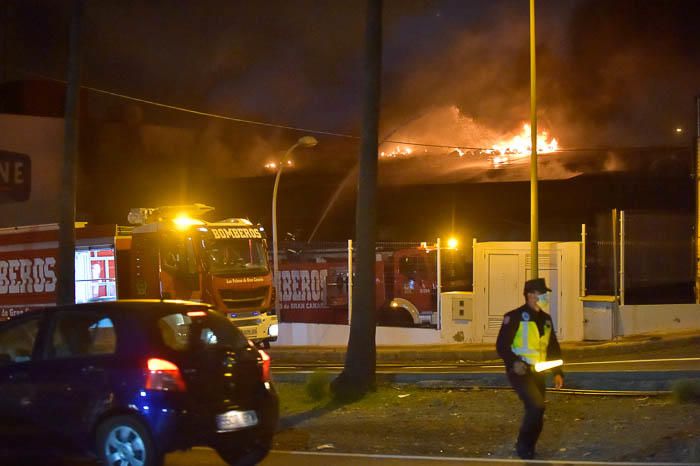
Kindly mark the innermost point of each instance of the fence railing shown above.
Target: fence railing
(643, 258)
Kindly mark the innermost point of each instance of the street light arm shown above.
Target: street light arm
(304, 141)
(275, 257)
(286, 156)
(274, 201)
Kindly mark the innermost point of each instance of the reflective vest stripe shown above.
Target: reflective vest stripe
(525, 336)
(529, 345)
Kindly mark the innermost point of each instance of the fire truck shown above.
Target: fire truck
(167, 253)
(314, 285)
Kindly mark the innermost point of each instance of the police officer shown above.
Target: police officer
(526, 338)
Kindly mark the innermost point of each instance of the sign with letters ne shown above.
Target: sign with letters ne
(15, 176)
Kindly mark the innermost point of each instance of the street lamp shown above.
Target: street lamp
(452, 243)
(534, 194)
(304, 141)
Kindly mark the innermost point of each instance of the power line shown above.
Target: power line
(196, 112)
(242, 120)
(265, 124)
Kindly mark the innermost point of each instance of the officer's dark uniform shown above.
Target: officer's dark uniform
(518, 332)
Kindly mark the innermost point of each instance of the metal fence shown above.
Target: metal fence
(600, 266)
(642, 257)
(658, 258)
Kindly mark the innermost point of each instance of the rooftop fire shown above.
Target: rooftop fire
(503, 152)
(520, 146)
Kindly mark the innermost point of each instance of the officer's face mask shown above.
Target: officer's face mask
(543, 301)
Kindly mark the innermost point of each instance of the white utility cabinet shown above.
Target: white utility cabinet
(599, 314)
(500, 272)
(457, 317)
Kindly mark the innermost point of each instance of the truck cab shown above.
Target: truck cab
(176, 255)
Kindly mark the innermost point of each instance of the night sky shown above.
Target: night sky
(611, 74)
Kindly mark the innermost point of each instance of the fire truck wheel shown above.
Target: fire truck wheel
(396, 317)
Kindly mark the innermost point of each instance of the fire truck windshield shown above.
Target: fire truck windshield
(239, 255)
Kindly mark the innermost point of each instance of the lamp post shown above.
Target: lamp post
(534, 210)
(304, 141)
(69, 176)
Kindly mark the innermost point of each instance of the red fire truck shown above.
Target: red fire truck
(169, 253)
(314, 287)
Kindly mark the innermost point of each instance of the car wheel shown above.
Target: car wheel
(124, 441)
(235, 455)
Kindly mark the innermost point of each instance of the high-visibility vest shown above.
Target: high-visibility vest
(528, 344)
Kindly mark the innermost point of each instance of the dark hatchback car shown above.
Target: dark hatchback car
(129, 381)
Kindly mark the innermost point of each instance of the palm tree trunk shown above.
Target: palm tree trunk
(358, 376)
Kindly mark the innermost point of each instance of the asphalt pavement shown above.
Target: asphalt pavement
(207, 457)
(640, 375)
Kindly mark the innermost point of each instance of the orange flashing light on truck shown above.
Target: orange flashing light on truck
(169, 253)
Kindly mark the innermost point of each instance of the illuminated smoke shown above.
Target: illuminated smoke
(479, 142)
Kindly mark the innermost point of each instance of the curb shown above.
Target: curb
(481, 353)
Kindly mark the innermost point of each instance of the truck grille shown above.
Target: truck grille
(245, 322)
(244, 299)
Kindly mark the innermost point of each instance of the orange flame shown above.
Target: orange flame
(502, 153)
(519, 146)
(398, 151)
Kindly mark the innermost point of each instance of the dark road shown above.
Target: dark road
(207, 457)
(620, 365)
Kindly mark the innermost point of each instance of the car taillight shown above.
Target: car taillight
(265, 362)
(164, 375)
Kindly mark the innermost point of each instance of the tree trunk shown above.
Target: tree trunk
(358, 376)
(66, 234)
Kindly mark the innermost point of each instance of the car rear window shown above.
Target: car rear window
(186, 331)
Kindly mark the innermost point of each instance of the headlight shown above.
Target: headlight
(273, 330)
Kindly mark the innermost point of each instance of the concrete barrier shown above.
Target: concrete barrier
(636, 319)
(297, 334)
